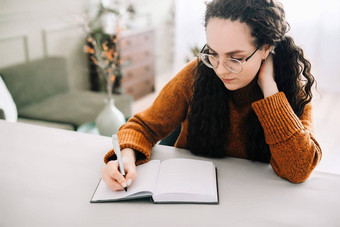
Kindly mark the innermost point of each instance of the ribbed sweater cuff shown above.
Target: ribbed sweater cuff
(135, 140)
(277, 118)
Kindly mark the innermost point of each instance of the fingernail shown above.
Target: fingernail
(129, 181)
(124, 185)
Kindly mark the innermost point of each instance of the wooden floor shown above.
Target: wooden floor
(326, 121)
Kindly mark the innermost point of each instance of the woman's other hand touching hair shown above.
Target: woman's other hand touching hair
(266, 79)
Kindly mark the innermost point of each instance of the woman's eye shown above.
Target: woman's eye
(214, 54)
(239, 59)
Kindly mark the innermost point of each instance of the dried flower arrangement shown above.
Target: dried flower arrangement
(103, 48)
(105, 55)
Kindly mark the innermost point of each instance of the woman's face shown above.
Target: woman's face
(232, 39)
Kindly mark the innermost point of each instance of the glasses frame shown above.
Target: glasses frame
(202, 55)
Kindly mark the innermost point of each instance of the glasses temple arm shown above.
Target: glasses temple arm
(251, 55)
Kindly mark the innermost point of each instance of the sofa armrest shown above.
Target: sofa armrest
(2, 114)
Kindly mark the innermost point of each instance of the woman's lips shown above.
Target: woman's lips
(225, 80)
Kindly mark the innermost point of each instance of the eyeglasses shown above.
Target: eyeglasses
(232, 64)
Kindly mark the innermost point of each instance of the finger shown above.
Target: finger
(115, 174)
(131, 175)
(111, 183)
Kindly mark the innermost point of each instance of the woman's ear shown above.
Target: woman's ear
(266, 51)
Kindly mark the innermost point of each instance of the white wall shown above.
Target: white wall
(190, 30)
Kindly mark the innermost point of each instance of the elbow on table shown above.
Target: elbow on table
(297, 170)
(294, 175)
(297, 179)
(301, 173)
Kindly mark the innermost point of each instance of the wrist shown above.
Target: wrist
(269, 89)
(128, 153)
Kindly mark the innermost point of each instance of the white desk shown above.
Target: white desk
(48, 176)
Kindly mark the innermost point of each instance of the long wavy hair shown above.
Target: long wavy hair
(208, 122)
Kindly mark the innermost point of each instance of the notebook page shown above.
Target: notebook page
(145, 182)
(187, 177)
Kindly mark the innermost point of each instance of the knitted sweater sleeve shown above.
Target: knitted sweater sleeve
(294, 149)
(170, 108)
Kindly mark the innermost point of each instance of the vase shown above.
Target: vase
(109, 119)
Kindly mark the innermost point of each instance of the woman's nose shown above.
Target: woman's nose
(221, 69)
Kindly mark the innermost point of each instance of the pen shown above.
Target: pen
(116, 147)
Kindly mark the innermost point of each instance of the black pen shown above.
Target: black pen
(116, 147)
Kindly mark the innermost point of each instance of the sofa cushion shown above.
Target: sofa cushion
(35, 80)
(74, 107)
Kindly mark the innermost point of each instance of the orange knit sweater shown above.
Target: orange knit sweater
(294, 150)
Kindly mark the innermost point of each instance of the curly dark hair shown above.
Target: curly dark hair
(208, 122)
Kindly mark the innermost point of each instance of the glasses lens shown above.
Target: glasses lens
(233, 65)
(209, 60)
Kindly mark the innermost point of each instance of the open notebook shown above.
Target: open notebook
(170, 181)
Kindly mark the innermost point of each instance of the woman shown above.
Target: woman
(247, 96)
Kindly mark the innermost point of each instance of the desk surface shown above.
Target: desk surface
(49, 175)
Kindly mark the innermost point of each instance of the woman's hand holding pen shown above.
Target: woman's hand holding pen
(112, 176)
(266, 79)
